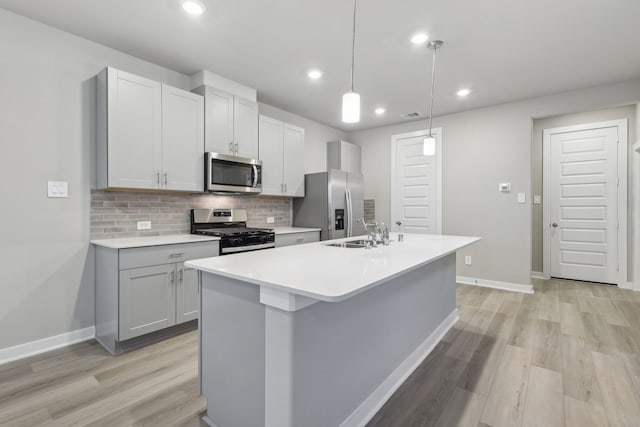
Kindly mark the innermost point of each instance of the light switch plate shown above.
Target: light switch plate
(270, 220)
(504, 187)
(144, 225)
(522, 198)
(537, 199)
(467, 260)
(57, 189)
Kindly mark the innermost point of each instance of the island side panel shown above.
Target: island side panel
(342, 352)
(232, 344)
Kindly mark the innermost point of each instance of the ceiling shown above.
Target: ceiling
(503, 50)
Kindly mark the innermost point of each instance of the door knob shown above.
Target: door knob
(554, 225)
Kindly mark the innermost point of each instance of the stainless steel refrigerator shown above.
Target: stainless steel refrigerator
(333, 202)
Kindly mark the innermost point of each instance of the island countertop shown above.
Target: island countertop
(328, 273)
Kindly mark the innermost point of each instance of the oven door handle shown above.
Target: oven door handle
(247, 248)
(255, 176)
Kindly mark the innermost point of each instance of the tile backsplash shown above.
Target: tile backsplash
(369, 209)
(115, 213)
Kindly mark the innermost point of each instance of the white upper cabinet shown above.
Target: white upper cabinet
(231, 123)
(182, 140)
(271, 154)
(293, 167)
(281, 150)
(132, 130)
(150, 136)
(245, 127)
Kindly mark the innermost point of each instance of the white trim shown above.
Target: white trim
(623, 148)
(636, 216)
(374, 402)
(505, 286)
(284, 300)
(394, 142)
(32, 348)
(538, 275)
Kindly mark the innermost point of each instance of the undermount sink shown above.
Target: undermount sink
(358, 243)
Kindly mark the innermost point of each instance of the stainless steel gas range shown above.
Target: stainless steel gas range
(231, 226)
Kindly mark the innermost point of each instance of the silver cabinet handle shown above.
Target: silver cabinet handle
(180, 275)
(165, 178)
(237, 148)
(300, 240)
(172, 277)
(158, 178)
(554, 225)
(285, 187)
(176, 255)
(231, 147)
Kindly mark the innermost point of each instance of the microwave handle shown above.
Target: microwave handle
(255, 176)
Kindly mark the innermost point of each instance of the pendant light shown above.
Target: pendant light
(351, 99)
(429, 144)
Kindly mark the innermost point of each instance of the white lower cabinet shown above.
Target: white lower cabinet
(290, 239)
(143, 290)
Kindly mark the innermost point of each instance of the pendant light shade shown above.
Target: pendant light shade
(351, 107)
(429, 146)
(429, 143)
(351, 99)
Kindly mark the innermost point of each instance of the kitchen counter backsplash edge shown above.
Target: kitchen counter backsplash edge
(115, 214)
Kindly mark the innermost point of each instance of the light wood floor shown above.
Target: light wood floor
(567, 355)
(83, 385)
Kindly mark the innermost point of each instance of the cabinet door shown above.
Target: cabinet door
(293, 160)
(147, 300)
(182, 140)
(218, 121)
(134, 131)
(187, 295)
(270, 145)
(245, 128)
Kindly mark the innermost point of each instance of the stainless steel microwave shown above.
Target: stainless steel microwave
(231, 174)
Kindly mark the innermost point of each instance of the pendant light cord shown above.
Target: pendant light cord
(353, 44)
(433, 85)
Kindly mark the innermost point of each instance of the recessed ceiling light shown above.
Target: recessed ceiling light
(419, 38)
(314, 74)
(193, 7)
(380, 111)
(463, 92)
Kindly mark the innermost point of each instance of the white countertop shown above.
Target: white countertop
(138, 242)
(328, 273)
(292, 230)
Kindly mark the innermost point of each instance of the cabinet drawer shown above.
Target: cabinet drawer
(164, 254)
(296, 238)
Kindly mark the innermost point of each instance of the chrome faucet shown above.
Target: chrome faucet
(378, 234)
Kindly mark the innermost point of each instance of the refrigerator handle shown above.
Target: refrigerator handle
(349, 213)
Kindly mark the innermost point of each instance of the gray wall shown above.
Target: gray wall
(626, 112)
(480, 149)
(47, 132)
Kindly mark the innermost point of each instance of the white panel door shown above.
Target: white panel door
(415, 192)
(293, 160)
(583, 205)
(218, 122)
(182, 140)
(271, 154)
(135, 128)
(245, 127)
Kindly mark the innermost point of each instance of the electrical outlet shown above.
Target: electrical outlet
(522, 198)
(57, 189)
(537, 199)
(467, 260)
(270, 220)
(144, 225)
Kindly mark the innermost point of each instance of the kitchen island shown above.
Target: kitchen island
(318, 335)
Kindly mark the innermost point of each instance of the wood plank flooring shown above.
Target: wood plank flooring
(83, 385)
(569, 355)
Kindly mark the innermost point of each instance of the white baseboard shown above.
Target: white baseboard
(537, 275)
(374, 402)
(505, 286)
(627, 285)
(32, 348)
